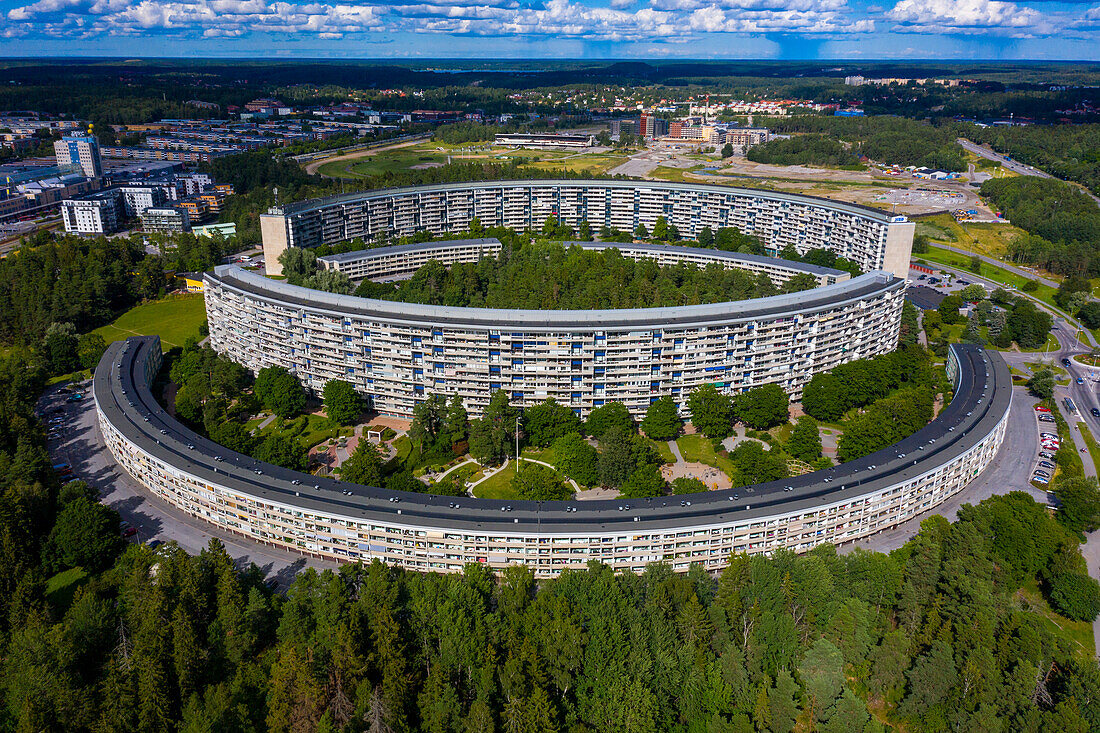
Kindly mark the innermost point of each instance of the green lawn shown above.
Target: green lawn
(1094, 447)
(698, 449)
(661, 447)
(546, 455)
(937, 255)
(62, 586)
(174, 318)
(499, 485)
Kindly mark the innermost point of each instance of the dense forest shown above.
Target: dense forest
(888, 140)
(1064, 223)
(816, 150)
(1066, 151)
(553, 277)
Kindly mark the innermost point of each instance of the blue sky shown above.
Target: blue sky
(571, 29)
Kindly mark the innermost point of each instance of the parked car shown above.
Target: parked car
(1080, 380)
(1044, 474)
(129, 532)
(1046, 464)
(1040, 479)
(1044, 454)
(1040, 408)
(1050, 436)
(1046, 418)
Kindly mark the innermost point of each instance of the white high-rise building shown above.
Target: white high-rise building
(79, 150)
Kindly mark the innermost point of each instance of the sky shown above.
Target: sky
(560, 29)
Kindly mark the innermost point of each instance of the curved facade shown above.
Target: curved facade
(873, 239)
(397, 353)
(312, 515)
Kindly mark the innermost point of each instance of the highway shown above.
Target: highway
(1015, 166)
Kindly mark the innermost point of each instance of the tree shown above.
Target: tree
(86, 534)
(662, 419)
(640, 231)
(331, 281)
(576, 459)
(645, 481)
(547, 421)
(1026, 325)
(972, 293)
(1089, 315)
(756, 465)
(822, 673)
(660, 229)
(59, 348)
(805, 440)
(783, 703)
(727, 150)
(428, 420)
(1074, 595)
(763, 407)
(342, 403)
(975, 264)
(711, 411)
(90, 348)
(824, 397)
(616, 461)
(848, 714)
(1042, 383)
(279, 391)
(949, 309)
(606, 417)
(705, 238)
(688, 485)
(298, 264)
(492, 435)
(539, 483)
(930, 679)
(363, 466)
(1078, 503)
(283, 450)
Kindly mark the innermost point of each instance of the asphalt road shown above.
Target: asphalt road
(81, 445)
(1013, 165)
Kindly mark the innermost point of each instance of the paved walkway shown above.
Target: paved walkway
(504, 465)
(676, 451)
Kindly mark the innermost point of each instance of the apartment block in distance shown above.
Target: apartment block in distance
(165, 219)
(96, 215)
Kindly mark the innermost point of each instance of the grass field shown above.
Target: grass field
(175, 319)
(991, 240)
(499, 485)
(662, 448)
(1094, 447)
(61, 587)
(698, 449)
(937, 255)
(431, 154)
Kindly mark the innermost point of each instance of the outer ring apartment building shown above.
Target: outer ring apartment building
(313, 515)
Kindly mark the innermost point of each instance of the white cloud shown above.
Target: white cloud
(946, 16)
(636, 21)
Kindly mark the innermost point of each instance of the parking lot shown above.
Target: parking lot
(1042, 465)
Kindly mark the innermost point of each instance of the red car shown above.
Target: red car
(129, 532)
(1040, 408)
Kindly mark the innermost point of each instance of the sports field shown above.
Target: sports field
(174, 318)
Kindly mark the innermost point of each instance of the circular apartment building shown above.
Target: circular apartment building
(313, 515)
(397, 353)
(873, 239)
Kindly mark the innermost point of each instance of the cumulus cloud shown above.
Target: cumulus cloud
(657, 21)
(946, 16)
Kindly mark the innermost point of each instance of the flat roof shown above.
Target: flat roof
(301, 207)
(414, 247)
(656, 249)
(982, 398)
(822, 298)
